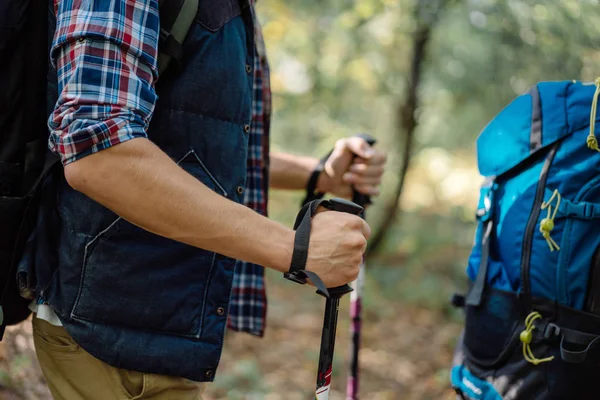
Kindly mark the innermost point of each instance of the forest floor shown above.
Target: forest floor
(406, 353)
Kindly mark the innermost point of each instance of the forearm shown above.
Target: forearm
(142, 184)
(290, 172)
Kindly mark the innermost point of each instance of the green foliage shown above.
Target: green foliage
(340, 67)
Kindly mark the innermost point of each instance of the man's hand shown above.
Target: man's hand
(337, 243)
(353, 163)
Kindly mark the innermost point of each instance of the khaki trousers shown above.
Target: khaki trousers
(73, 374)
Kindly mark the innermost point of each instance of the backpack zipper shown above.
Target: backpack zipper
(533, 222)
(592, 300)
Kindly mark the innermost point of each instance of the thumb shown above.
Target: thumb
(360, 147)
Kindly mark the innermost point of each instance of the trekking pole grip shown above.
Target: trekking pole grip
(297, 272)
(311, 187)
(357, 197)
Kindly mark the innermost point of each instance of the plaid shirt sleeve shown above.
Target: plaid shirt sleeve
(105, 55)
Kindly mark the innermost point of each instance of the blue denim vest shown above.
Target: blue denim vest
(134, 299)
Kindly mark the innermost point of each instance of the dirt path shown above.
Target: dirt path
(405, 356)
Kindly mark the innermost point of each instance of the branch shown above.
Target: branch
(407, 122)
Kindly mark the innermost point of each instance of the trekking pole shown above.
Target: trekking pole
(298, 274)
(325, 369)
(356, 296)
(356, 302)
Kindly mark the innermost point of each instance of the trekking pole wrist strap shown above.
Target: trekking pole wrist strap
(311, 187)
(297, 272)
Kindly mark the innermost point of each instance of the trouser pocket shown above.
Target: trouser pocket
(74, 374)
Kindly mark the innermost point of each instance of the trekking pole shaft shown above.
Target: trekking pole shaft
(327, 347)
(356, 303)
(355, 329)
(297, 273)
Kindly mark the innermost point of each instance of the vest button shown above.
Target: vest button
(240, 190)
(248, 68)
(246, 128)
(220, 311)
(208, 373)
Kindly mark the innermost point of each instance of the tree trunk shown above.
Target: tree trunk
(426, 15)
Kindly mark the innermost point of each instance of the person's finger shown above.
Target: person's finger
(378, 158)
(359, 147)
(366, 170)
(370, 190)
(354, 179)
(339, 160)
(366, 230)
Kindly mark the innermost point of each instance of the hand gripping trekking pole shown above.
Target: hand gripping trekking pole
(356, 302)
(298, 274)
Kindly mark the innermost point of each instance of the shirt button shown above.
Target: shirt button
(248, 68)
(246, 128)
(220, 311)
(240, 190)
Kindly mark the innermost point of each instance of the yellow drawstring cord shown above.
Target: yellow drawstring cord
(547, 224)
(592, 142)
(526, 336)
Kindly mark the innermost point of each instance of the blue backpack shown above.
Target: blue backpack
(533, 306)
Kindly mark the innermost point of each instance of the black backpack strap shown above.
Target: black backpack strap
(176, 19)
(31, 202)
(571, 339)
(476, 292)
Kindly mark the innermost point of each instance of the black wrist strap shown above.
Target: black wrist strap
(311, 187)
(297, 272)
(301, 240)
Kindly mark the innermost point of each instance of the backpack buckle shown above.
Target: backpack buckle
(551, 331)
(486, 200)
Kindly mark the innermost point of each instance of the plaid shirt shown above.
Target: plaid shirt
(105, 53)
(248, 307)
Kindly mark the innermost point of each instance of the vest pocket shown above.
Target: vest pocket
(136, 279)
(213, 14)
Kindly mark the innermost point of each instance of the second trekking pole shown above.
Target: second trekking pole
(356, 303)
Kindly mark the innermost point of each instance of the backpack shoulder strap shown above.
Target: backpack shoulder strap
(176, 19)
